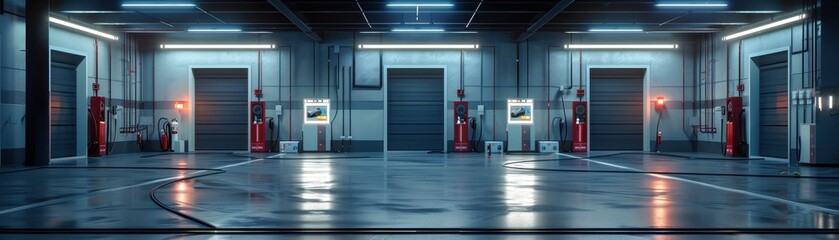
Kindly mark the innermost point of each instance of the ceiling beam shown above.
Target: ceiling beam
(550, 15)
(282, 8)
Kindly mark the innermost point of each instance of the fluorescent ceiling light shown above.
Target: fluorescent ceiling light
(615, 30)
(217, 46)
(418, 30)
(621, 46)
(420, 5)
(692, 5)
(158, 5)
(764, 27)
(418, 46)
(213, 30)
(82, 28)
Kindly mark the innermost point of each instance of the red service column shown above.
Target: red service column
(579, 131)
(97, 108)
(461, 129)
(257, 122)
(734, 127)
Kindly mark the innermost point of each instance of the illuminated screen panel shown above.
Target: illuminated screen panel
(316, 111)
(520, 111)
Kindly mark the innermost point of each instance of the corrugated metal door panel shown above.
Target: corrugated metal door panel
(773, 110)
(415, 109)
(221, 104)
(63, 110)
(616, 109)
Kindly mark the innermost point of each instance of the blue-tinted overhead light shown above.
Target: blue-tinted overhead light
(690, 5)
(615, 30)
(420, 5)
(418, 30)
(214, 30)
(168, 5)
(82, 28)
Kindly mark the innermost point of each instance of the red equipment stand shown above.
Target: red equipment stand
(461, 126)
(734, 127)
(97, 107)
(579, 131)
(257, 126)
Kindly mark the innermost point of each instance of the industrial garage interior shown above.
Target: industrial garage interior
(419, 119)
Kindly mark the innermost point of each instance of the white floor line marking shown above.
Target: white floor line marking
(752, 194)
(276, 156)
(107, 190)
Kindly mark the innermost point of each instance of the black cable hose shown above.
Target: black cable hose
(480, 135)
(722, 136)
(424, 231)
(563, 124)
(271, 135)
(184, 215)
(92, 142)
(744, 145)
(21, 170)
(473, 143)
(212, 171)
(112, 135)
(509, 165)
(561, 138)
(215, 230)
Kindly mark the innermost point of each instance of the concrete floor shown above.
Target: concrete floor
(416, 195)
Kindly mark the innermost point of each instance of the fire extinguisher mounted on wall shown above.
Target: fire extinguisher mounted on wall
(165, 133)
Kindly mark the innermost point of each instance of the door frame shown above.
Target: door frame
(753, 73)
(82, 94)
(646, 100)
(445, 99)
(190, 127)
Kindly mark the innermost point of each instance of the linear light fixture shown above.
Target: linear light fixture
(418, 46)
(418, 30)
(689, 5)
(82, 28)
(217, 46)
(621, 46)
(616, 30)
(214, 30)
(766, 26)
(420, 5)
(167, 5)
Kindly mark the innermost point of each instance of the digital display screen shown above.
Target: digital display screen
(316, 111)
(520, 111)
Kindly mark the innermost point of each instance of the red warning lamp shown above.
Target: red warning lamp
(179, 106)
(659, 103)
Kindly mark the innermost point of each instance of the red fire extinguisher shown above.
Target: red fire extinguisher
(164, 140)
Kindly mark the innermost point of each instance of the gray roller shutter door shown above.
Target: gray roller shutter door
(773, 110)
(221, 108)
(63, 110)
(616, 109)
(415, 109)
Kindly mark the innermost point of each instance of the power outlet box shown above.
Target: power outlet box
(548, 147)
(289, 146)
(493, 147)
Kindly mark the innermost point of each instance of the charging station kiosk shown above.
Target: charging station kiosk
(316, 127)
(519, 125)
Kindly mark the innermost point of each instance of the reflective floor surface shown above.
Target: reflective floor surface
(417, 195)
